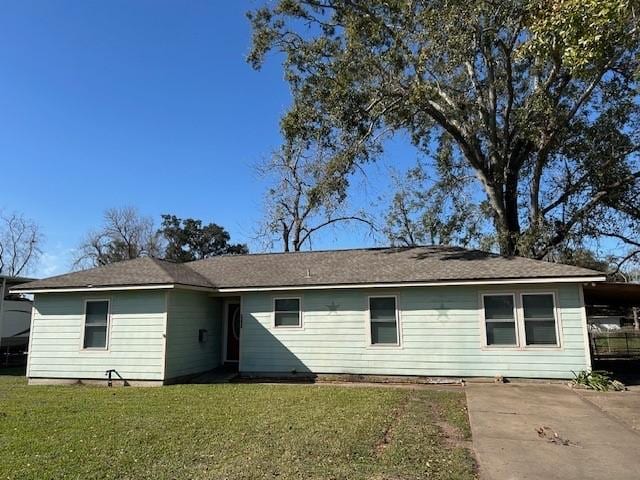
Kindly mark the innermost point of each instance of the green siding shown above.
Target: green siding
(440, 330)
(136, 345)
(188, 312)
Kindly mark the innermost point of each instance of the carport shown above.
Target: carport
(613, 311)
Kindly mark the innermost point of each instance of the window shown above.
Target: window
(286, 312)
(96, 322)
(500, 320)
(383, 319)
(539, 319)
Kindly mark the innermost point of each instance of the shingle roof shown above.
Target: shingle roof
(140, 271)
(335, 267)
(377, 265)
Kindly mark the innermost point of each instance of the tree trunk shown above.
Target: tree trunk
(511, 220)
(285, 238)
(297, 232)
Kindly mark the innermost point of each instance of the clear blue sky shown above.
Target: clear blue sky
(146, 103)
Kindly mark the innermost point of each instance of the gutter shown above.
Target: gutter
(509, 281)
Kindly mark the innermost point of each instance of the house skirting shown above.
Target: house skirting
(94, 382)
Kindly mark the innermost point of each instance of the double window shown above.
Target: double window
(527, 319)
(286, 312)
(96, 324)
(383, 321)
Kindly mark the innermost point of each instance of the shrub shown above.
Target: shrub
(599, 380)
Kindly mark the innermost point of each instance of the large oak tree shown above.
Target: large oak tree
(539, 100)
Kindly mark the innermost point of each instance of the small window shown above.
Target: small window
(539, 319)
(383, 319)
(287, 312)
(500, 320)
(96, 321)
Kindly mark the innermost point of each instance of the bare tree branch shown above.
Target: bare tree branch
(20, 241)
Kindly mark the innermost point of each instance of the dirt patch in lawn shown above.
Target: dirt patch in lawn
(388, 434)
(452, 436)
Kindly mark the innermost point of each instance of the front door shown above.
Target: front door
(233, 332)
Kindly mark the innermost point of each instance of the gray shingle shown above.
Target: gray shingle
(140, 271)
(383, 265)
(336, 267)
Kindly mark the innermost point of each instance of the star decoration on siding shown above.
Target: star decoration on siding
(333, 307)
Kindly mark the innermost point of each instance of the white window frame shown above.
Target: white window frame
(521, 340)
(556, 317)
(84, 325)
(273, 313)
(369, 340)
(483, 321)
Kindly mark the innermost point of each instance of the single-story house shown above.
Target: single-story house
(424, 311)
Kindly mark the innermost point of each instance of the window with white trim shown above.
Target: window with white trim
(383, 321)
(500, 319)
(540, 326)
(96, 324)
(286, 312)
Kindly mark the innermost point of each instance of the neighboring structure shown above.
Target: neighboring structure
(614, 327)
(15, 316)
(427, 311)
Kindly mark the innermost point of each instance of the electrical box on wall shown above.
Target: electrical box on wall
(202, 335)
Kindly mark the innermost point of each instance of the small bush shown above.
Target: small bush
(599, 380)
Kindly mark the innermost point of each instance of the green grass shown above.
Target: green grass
(232, 432)
(618, 343)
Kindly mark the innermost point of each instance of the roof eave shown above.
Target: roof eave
(440, 283)
(107, 288)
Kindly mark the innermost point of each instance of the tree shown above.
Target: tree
(538, 99)
(124, 235)
(423, 210)
(20, 241)
(188, 240)
(301, 200)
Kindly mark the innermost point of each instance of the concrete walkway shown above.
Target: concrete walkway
(515, 426)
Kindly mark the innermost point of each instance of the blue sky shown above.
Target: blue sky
(145, 103)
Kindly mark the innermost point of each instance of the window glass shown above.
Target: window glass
(538, 306)
(498, 307)
(95, 324)
(539, 319)
(500, 320)
(287, 312)
(287, 305)
(383, 320)
(501, 333)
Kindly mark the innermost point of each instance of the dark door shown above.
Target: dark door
(233, 332)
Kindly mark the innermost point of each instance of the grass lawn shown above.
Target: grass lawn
(235, 431)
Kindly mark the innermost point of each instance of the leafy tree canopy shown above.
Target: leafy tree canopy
(537, 99)
(188, 239)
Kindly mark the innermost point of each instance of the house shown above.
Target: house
(425, 311)
(15, 316)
